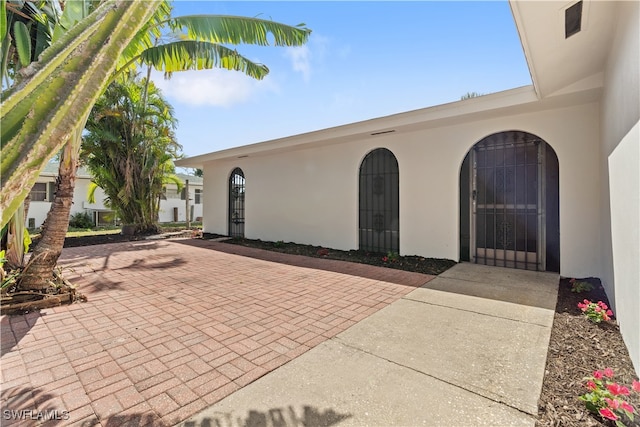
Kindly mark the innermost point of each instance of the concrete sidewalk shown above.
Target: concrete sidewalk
(468, 348)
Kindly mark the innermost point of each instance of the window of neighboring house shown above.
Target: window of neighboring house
(39, 192)
(43, 191)
(198, 197)
(183, 194)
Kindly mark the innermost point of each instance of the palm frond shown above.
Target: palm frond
(197, 55)
(240, 30)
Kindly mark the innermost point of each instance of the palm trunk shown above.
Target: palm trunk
(45, 255)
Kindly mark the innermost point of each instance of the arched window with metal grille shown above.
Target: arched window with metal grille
(236, 203)
(509, 203)
(379, 207)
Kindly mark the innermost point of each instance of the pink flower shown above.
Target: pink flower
(606, 413)
(586, 301)
(626, 406)
(613, 404)
(617, 389)
(603, 305)
(591, 385)
(608, 373)
(636, 385)
(597, 375)
(598, 309)
(385, 259)
(609, 313)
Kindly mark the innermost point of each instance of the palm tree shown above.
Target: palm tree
(196, 42)
(42, 262)
(29, 30)
(129, 149)
(55, 94)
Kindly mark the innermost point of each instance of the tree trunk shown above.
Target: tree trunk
(46, 253)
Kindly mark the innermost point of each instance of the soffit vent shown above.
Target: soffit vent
(383, 132)
(573, 19)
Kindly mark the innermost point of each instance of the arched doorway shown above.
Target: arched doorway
(379, 207)
(509, 203)
(236, 203)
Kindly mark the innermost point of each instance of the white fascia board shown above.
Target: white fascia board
(517, 17)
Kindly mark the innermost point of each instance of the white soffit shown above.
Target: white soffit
(556, 62)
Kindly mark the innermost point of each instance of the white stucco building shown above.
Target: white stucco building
(543, 177)
(172, 207)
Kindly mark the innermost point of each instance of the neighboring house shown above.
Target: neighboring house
(172, 208)
(543, 177)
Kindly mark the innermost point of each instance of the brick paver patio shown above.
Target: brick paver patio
(172, 327)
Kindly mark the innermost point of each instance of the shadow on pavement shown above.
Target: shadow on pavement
(276, 417)
(24, 405)
(14, 328)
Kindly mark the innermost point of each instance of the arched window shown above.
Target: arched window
(236, 203)
(379, 212)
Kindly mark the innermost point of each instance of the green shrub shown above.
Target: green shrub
(81, 220)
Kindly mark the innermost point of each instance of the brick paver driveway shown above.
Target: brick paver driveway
(174, 326)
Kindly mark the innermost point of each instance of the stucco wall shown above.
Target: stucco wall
(166, 207)
(621, 176)
(311, 195)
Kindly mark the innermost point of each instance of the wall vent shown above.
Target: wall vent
(383, 132)
(573, 19)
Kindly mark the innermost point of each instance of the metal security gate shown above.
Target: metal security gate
(236, 203)
(379, 218)
(508, 198)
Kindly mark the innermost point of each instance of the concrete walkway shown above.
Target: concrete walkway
(466, 349)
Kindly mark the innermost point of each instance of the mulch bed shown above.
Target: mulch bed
(416, 264)
(576, 349)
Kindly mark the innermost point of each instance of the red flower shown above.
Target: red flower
(636, 385)
(597, 375)
(606, 413)
(613, 404)
(591, 385)
(626, 406)
(385, 259)
(617, 389)
(608, 373)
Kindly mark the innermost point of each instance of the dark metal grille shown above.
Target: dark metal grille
(236, 203)
(507, 194)
(379, 218)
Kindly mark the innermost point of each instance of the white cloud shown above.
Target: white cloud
(220, 88)
(311, 54)
(300, 57)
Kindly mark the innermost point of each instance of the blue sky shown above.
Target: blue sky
(363, 60)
